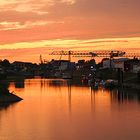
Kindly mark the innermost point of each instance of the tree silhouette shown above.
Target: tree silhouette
(5, 63)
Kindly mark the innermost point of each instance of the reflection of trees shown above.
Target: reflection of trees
(69, 95)
(123, 96)
(19, 83)
(5, 106)
(120, 96)
(92, 92)
(4, 87)
(57, 83)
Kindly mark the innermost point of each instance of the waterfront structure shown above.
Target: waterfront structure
(131, 65)
(115, 63)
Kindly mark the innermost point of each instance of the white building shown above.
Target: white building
(64, 65)
(136, 68)
(115, 63)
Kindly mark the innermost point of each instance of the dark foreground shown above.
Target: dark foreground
(9, 98)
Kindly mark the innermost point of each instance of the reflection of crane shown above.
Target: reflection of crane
(69, 96)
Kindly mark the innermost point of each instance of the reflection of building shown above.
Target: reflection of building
(69, 97)
(124, 96)
(19, 83)
(57, 83)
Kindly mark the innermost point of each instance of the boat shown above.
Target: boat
(110, 83)
(96, 85)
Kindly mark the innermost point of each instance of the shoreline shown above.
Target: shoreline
(131, 86)
(9, 98)
(126, 85)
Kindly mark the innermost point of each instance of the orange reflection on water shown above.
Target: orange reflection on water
(55, 109)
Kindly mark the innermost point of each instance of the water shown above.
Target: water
(54, 110)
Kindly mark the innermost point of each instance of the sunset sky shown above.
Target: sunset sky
(29, 28)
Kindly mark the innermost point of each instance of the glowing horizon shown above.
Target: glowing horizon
(30, 51)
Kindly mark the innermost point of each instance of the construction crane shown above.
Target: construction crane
(110, 54)
(100, 53)
(42, 61)
(105, 53)
(74, 54)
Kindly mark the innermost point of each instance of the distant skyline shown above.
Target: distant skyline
(32, 27)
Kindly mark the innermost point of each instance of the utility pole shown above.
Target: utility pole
(111, 58)
(41, 60)
(69, 56)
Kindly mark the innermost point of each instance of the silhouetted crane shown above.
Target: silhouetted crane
(42, 61)
(100, 53)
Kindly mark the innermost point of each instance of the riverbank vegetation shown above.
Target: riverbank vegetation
(6, 96)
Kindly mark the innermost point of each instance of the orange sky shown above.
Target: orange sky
(32, 27)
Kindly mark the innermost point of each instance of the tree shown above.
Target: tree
(5, 63)
(4, 88)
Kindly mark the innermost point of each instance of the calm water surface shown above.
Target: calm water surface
(56, 110)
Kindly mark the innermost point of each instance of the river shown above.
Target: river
(59, 110)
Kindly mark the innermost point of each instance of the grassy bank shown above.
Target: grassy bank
(5, 95)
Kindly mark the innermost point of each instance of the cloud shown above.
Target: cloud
(72, 43)
(32, 20)
(30, 51)
(26, 25)
(15, 16)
